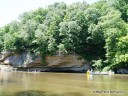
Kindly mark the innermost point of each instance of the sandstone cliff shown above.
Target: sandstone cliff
(27, 59)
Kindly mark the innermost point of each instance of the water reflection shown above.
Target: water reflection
(59, 84)
(5, 78)
(89, 77)
(42, 93)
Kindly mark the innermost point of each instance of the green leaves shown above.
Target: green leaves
(97, 64)
(122, 50)
(95, 32)
(69, 32)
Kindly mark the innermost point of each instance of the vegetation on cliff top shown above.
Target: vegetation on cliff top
(97, 32)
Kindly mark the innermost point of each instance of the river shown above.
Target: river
(62, 84)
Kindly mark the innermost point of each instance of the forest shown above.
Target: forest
(97, 33)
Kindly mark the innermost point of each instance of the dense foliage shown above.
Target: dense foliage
(97, 32)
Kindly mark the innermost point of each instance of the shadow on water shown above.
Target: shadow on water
(42, 93)
(30, 93)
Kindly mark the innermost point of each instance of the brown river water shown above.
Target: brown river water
(62, 84)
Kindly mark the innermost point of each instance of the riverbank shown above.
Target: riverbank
(44, 69)
(54, 69)
(6, 68)
(75, 69)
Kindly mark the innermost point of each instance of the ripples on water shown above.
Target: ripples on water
(60, 84)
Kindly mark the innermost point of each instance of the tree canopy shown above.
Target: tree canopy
(97, 32)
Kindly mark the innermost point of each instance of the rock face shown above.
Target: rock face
(5, 54)
(25, 59)
(28, 59)
(64, 61)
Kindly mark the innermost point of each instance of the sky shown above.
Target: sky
(11, 9)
